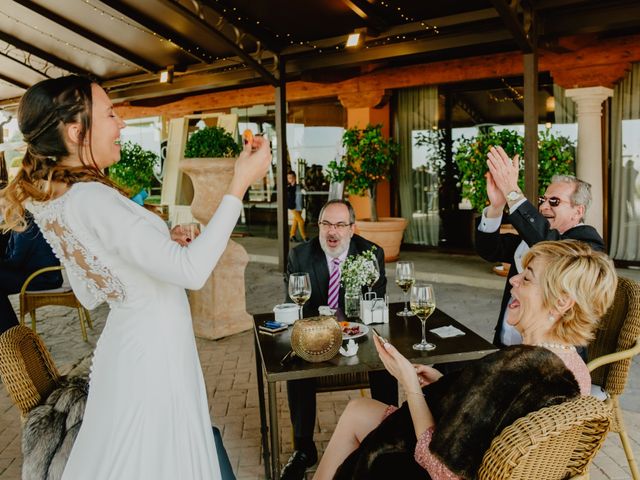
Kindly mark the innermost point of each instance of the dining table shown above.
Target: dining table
(402, 332)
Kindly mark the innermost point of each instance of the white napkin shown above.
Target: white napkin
(352, 349)
(324, 310)
(448, 331)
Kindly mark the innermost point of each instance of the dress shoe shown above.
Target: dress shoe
(296, 466)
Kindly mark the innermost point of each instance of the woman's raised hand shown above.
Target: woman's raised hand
(252, 164)
(397, 365)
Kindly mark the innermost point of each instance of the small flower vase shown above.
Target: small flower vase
(352, 303)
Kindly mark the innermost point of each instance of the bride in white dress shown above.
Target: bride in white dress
(147, 416)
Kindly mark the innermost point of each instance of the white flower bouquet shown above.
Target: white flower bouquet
(360, 270)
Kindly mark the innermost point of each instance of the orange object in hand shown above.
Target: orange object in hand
(247, 136)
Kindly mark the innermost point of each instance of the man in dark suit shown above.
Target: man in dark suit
(559, 216)
(319, 258)
(26, 253)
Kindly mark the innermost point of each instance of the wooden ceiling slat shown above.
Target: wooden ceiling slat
(24, 64)
(197, 51)
(13, 81)
(92, 37)
(369, 14)
(514, 25)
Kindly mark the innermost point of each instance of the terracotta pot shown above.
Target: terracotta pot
(210, 178)
(316, 339)
(386, 232)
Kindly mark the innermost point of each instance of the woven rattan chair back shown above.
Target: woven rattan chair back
(619, 330)
(551, 443)
(30, 301)
(26, 368)
(617, 342)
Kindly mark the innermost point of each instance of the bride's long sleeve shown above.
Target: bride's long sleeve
(125, 229)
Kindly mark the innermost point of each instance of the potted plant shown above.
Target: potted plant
(134, 172)
(367, 160)
(209, 158)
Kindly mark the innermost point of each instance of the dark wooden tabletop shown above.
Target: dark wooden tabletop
(401, 332)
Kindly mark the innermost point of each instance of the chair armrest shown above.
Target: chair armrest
(35, 274)
(614, 357)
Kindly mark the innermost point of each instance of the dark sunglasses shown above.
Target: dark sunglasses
(553, 201)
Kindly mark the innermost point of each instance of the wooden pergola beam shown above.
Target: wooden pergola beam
(52, 59)
(369, 14)
(197, 51)
(13, 81)
(508, 13)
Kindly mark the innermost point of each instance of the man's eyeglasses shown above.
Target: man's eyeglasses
(338, 226)
(553, 201)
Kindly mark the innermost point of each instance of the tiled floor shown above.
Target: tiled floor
(229, 369)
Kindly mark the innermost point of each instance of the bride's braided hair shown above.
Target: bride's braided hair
(43, 112)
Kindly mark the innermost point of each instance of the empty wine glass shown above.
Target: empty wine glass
(299, 289)
(405, 279)
(423, 303)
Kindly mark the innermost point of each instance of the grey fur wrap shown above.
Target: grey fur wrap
(50, 430)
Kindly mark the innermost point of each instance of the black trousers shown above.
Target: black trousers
(10, 283)
(302, 399)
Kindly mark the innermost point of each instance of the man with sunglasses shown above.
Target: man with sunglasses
(320, 257)
(559, 216)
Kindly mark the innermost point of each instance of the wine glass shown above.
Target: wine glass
(404, 279)
(423, 303)
(299, 289)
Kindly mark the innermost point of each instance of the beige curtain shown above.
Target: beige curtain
(565, 108)
(625, 184)
(417, 109)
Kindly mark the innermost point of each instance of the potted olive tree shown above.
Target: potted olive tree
(209, 158)
(367, 160)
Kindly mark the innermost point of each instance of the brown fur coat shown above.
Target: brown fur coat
(471, 407)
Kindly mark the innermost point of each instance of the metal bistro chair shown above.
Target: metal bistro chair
(552, 443)
(617, 342)
(30, 300)
(26, 368)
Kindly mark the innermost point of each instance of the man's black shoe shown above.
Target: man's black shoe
(296, 466)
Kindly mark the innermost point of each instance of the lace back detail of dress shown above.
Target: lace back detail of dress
(75, 257)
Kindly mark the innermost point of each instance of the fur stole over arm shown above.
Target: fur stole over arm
(471, 407)
(50, 430)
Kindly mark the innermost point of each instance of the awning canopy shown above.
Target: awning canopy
(220, 44)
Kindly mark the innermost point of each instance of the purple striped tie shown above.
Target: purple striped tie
(334, 283)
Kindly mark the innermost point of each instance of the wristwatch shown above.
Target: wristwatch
(514, 195)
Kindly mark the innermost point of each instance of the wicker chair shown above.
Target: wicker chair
(617, 342)
(551, 443)
(26, 368)
(30, 300)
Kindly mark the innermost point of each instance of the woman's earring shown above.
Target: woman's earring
(551, 318)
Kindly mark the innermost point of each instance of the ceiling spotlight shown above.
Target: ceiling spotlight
(353, 40)
(166, 76)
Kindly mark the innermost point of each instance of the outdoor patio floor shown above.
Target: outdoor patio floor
(465, 289)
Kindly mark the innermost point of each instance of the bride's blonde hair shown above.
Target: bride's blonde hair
(44, 110)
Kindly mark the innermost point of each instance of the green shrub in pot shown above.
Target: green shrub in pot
(211, 142)
(134, 171)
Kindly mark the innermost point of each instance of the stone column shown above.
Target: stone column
(589, 163)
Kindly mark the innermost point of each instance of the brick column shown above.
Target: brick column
(589, 163)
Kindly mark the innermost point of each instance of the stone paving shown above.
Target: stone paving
(229, 369)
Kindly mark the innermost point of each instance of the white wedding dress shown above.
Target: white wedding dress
(147, 416)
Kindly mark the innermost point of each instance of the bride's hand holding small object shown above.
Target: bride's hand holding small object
(252, 164)
(426, 374)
